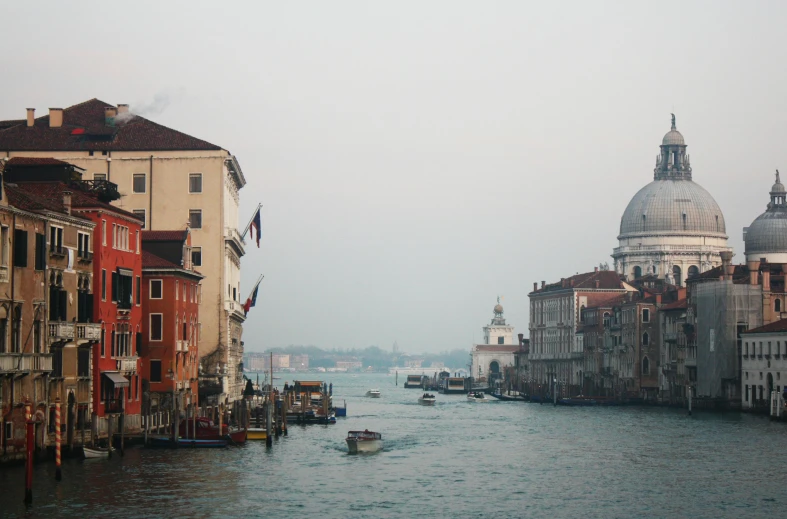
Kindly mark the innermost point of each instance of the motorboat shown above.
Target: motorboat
(364, 441)
(165, 441)
(96, 452)
(256, 433)
(477, 396)
(427, 399)
(373, 393)
(207, 430)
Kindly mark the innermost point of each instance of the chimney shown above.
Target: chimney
(598, 283)
(543, 284)
(571, 281)
(122, 108)
(55, 117)
(563, 282)
(766, 280)
(109, 115)
(726, 259)
(754, 272)
(595, 269)
(658, 299)
(521, 338)
(31, 116)
(67, 202)
(535, 286)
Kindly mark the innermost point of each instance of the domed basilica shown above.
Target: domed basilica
(672, 228)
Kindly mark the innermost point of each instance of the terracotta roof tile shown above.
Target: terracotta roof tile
(52, 193)
(150, 261)
(36, 161)
(165, 235)
(130, 132)
(607, 279)
(680, 304)
(778, 326)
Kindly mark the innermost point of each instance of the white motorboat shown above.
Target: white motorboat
(477, 396)
(373, 393)
(96, 452)
(364, 441)
(427, 399)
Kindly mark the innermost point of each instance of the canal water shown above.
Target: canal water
(457, 459)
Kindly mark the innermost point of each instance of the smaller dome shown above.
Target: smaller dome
(673, 138)
(778, 187)
(498, 309)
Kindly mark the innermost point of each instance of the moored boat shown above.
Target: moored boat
(207, 430)
(373, 393)
(427, 399)
(256, 433)
(477, 396)
(364, 441)
(96, 452)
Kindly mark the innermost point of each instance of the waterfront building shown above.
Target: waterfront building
(45, 314)
(169, 180)
(498, 351)
(556, 354)
(678, 350)
(595, 322)
(170, 343)
(672, 228)
(763, 364)
(299, 362)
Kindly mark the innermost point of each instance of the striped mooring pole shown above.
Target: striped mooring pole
(58, 473)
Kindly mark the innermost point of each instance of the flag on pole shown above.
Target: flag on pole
(252, 300)
(256, 224)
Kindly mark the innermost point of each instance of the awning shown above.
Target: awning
(116, 378)
(125, 272)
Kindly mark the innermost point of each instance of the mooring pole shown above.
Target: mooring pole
(58, 473)
(29, 436)
(689, 400)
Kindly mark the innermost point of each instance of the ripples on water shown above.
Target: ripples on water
(457, 459)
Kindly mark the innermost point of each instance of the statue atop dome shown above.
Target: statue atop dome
(673, 122)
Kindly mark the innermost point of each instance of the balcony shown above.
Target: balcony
(18, 362)
(127, 364)
(182, 345)
(233, 238)
(84, 257)
(89, 331)
(61, 331)
(58, 251)
(236, 308)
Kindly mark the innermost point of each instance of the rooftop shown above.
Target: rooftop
(778, 326)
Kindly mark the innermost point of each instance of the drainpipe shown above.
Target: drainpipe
(149, 223)
(109, 164)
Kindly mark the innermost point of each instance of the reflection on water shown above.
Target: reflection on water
(457, 458)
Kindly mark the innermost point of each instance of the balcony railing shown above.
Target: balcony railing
(127, 364)
(85, 256)
(61, 331)
(58, 251)
(232, 236)
(89, 331)
(18, 362)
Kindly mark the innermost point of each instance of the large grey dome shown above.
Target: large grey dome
(673, 207)
(768, 233)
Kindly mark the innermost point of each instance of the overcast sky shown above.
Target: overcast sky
(418, 159)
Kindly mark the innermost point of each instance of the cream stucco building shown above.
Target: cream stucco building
(173, 181)
(498, 351)
(672, 228)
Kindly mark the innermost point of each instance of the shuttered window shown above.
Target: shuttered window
(20, 248)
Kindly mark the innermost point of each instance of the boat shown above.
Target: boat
(341, 411)
(415, 381)
(427, 399)
(477, 396)
(510, 397)
(97, 452)
(201, 444)
(454, 385)
(207, 430)
(256, 433)
(364, 441)
(373, 393)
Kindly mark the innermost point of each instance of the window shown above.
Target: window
(195, 183)
(196, 256)
(20, 248)
(121, 288)
(4, 245)
(40, 251)
(103, 342)
(501, 340)
(645, 366)
(777, 305)
(637, 272)
(747, 392)
(156, 323)
(83, 245)
(645, 315)
(103, 232)
(16, 331)
(195, 218)
(38, 346)
(4, 335)
(177, 290)
(746, 349)
(156, 289)
(155, 371)
(645, 339)
(140, 213)
(139, 284)
(103, 284)
(99, 176)
(139, 182)
(83, 362)
(56, 240)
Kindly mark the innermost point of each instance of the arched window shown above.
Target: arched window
(645, 339)
(582, 314)
(693, 271)
(777, 305)
(676, 273)
(645, 366)
(637, 272)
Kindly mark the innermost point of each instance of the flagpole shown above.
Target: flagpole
(259, 280)
(243, 235)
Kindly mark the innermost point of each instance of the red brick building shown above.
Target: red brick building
(171, 295)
